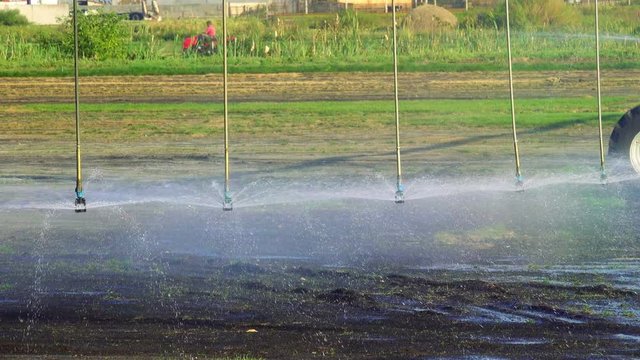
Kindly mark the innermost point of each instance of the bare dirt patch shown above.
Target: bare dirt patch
(316, 86)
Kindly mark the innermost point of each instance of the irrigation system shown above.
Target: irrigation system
(399, 196)
(603, 172)
(81, 203)
(227, 205)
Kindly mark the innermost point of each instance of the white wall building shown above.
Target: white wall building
(45, 12)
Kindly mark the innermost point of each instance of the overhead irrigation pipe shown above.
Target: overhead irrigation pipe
(516, 151)
(399, 197)
(603, 173)
(227, 204)
(81, 203)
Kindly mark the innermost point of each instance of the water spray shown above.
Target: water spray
(399, 196)
(603, 172)
(227, 204)
(516, 151)
(80, 203)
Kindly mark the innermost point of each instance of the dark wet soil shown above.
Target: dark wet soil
(180, 305)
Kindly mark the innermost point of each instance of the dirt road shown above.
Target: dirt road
(316, 86)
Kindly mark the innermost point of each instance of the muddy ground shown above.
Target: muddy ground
(318, 86)
(180, 306)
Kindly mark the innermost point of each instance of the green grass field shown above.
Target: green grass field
(288, 132)
(144, 122)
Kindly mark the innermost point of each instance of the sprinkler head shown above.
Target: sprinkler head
(519, 183)
(399, 194)
(227, 204)
(81, 204)
(399, 197)
(603, 177)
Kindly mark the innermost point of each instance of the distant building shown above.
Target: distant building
(182, 8)
(31, 2)
(44, 12)
(377, 5)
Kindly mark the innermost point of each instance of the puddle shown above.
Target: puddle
(627, 338)
(378, 339)
(119, 302)
(513, 341)
(401, 304)
(80, 293)
(430, 311)
(280, 257)
(467, 357)
(621, 274)
(617, 311)
(480, 315)
(364, 318)
(550, 317)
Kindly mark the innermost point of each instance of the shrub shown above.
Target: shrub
(538, 14)
(12, 18)
(479, 18)
(100, 36)
(524, 14)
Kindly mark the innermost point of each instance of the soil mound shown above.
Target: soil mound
(427, 18)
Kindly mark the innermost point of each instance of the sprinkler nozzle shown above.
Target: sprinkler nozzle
(400, 194)
(227, 205)
(519, 183)
(603, 177)
(81, 203)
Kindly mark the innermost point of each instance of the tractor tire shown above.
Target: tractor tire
(136, 16)
(624, 142)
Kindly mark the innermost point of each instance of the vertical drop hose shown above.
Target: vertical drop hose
(80, 200)
(399, 196)
(228, 201)
(603, 172)
(516, 151)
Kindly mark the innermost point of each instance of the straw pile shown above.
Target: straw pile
(427, 18)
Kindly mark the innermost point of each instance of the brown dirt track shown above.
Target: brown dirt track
(316, 86)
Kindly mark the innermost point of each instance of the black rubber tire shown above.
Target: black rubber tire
(622, 135)
(136, 16)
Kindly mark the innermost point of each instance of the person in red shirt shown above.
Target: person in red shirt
(211, 30)
(189, 42)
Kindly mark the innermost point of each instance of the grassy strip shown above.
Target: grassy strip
(157, 67)
(475, 113)
(301, 131)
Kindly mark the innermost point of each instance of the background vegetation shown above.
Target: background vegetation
(12, 18)
(548, 34)
(99, 37)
